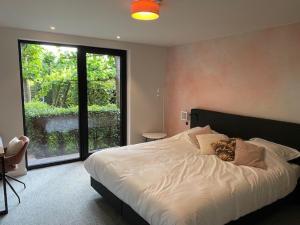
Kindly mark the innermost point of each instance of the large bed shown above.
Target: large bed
(167, 182)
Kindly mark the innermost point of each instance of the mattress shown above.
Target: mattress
(167, 182)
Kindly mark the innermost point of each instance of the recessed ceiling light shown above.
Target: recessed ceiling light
(52, 27)
(118, 37)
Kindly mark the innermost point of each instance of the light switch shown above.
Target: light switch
(157, 92)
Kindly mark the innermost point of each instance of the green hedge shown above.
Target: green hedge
(41, 109)
(104, 130)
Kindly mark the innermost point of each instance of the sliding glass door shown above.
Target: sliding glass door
(103, 101)
(104, 98)
(74, 100)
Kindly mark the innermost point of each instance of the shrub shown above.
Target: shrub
(54, 131)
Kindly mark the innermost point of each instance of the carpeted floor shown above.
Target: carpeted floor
(58, 195)
(61, 195)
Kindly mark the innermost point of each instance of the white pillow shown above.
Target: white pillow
(185, 135)
(205, 141)
(192, 130)
(193, 133)
(284, 152)
(195, 129)
(14, 146)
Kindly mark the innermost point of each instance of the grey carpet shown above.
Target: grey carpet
(58, 195)
(61, 195)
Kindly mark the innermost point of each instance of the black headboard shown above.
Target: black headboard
(245, 127)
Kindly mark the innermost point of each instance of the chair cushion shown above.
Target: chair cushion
(8, 167)
(14, 146)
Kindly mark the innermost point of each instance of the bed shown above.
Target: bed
(166, 182)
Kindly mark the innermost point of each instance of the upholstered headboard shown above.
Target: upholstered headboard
(245, 127)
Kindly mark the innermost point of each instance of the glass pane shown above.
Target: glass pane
(50, 93)
(103, 77)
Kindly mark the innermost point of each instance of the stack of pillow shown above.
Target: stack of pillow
(236, 150)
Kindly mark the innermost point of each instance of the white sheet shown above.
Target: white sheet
(168, 182)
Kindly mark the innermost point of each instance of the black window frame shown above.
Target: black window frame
(82, 50)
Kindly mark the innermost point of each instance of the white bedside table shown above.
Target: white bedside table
(154, 136)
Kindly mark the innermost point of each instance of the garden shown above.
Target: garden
(50, 90)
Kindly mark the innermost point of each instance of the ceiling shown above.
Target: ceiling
(181, 21)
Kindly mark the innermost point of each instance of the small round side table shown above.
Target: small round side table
(154, 136)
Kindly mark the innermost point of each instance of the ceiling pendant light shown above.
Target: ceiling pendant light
(145, 9)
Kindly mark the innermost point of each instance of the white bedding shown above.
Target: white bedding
(168, 182)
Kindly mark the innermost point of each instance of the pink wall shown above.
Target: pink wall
(256, 74)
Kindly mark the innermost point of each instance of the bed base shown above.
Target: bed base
(132, 218)
(119, 206)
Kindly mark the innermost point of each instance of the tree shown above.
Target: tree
(31, 56)
(50, 75)
(101, 71)
(117, 80)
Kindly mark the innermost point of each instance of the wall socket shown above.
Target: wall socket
(184, 115)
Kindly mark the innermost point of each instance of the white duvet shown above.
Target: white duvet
(168, 182)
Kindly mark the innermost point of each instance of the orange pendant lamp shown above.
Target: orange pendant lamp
(145, 9)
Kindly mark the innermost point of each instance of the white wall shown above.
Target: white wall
(146, 70)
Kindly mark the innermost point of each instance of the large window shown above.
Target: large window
(74, 100)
